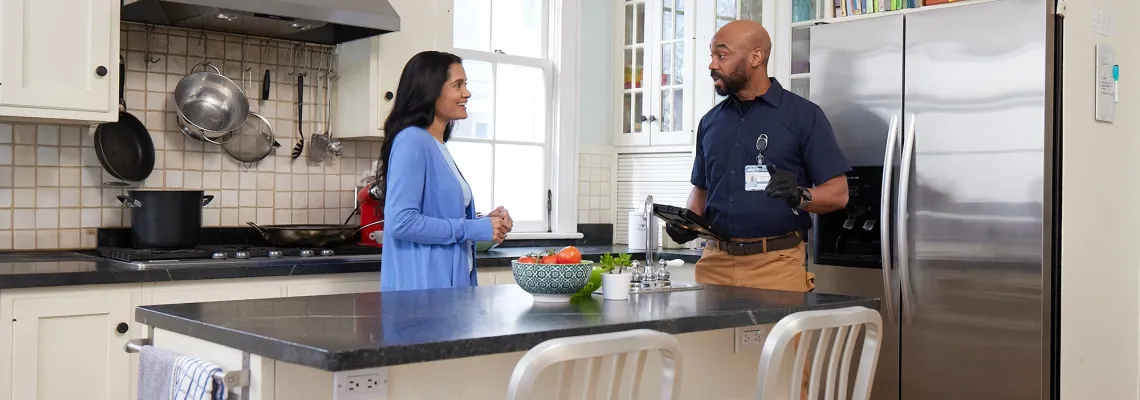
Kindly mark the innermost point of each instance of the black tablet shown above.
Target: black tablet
(687, 219)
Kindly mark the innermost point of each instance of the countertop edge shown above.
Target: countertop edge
(127, 275)
(464, 348)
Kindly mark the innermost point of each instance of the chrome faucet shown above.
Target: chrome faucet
(651, 232)
(649, 277)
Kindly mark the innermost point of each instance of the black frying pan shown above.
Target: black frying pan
(125, 148)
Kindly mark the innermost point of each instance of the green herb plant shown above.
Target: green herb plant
(609, 263)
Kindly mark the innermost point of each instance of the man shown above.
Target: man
(761, 132)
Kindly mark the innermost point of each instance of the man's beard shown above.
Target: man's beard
(731, 84)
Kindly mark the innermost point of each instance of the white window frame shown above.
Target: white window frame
(561, 141)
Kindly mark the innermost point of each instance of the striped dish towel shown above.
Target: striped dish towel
(194, 380)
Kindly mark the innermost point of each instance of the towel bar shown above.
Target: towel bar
(232, 379)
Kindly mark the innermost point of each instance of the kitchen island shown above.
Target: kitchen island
(464, 342)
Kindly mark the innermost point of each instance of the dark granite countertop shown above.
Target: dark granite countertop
(346, 332)
(32, 269)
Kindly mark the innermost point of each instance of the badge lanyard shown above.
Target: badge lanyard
(756, 177)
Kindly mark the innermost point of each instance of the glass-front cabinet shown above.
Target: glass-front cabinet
(657, 71)
(665, 86)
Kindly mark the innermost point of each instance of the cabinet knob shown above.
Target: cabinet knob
(122, 327)
(101, 70)
(388, 96)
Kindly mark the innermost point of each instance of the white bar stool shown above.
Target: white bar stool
(607, 354)
(818, 331)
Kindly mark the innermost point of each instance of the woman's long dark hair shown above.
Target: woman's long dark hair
(421, 82)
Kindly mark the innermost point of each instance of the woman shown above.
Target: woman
(429, 217)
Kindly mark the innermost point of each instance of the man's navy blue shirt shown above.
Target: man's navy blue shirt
(799, 139)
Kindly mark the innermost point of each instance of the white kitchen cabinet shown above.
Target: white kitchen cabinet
(655, 44)
(65, 344)
(59, 65)
(369, 69)
(663, 55)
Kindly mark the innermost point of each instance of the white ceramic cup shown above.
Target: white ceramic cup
(616, 286)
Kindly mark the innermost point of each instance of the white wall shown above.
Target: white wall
(1101, 223)
(595, 72)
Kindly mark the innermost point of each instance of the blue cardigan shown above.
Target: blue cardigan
(426, 224)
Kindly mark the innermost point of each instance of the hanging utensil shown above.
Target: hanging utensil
(254, 140)
(300, 146)
(124, 148)
(334, 146)
(319, 141)
(208, 102)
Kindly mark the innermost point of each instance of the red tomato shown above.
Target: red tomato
(528, 260)
(551, 259)
(569, 255)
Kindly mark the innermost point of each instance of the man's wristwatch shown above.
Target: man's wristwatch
(805, 198)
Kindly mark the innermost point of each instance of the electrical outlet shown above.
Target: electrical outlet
(750, 336)
(361, 384)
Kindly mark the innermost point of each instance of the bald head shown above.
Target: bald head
(740, 53)
(745, 36)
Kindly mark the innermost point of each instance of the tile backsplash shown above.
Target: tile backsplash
(52, 192)
(595, 187)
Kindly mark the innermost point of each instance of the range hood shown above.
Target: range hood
(310, 21)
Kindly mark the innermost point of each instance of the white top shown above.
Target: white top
(466, 197)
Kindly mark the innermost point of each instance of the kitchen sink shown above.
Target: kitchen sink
(672, 286)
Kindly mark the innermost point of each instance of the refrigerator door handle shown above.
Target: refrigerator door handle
(885, 216)
(903, 235)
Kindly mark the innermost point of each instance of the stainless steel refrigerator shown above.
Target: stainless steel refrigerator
(948, 116)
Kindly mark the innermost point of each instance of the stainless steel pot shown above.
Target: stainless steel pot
(308, 235)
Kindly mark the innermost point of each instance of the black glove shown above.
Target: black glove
(679, 234)
(783, 185)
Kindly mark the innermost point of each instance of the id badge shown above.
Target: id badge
(756, 178)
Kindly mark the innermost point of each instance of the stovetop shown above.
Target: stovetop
(235, 253)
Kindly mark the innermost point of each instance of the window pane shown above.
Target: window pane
(517, 27)
(472, 21)
(726, 8)
(666, 111)
(629, 24)
(521, 104)
(678, 63)
(752, 9)
(678, 104)
(680, 25)
(480, 84)
(640, 23)
(520, 181)
(667, 23)
(626, 117)
(666, 62)
(474, 162)
(637, 113)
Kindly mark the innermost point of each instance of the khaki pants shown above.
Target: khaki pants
(776, 270)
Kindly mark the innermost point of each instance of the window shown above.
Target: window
(504, 146)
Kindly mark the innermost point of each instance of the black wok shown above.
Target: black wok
(308, 235)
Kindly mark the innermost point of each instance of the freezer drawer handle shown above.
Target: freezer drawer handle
(885, 216)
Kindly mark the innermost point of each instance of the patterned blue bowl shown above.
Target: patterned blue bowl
(551, 283)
